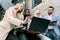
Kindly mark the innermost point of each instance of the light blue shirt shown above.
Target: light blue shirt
(54, 18)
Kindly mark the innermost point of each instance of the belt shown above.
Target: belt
(50, 29)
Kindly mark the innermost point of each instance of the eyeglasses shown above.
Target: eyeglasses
(37, 13)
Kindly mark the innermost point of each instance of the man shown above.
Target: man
(10, 20)
(53, 31)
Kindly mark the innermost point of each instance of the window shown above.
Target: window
(2, 11)
(37, 2)
(16, 1)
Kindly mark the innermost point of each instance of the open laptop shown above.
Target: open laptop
(38, 24)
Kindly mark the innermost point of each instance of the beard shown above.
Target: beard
(49, 13)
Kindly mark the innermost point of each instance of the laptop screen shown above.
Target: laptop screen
(38, 24)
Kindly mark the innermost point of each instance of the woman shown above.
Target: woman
(10, 20)
(26, 14)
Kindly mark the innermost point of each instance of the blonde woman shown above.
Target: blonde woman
(10, 20)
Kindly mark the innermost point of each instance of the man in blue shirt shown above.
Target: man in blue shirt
(53, 31)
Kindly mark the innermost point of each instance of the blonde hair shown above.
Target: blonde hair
(37, 12)
(19, 4)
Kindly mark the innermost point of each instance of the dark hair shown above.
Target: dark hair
(51, 7)
(26, 10)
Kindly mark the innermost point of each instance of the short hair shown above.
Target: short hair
(51, 7)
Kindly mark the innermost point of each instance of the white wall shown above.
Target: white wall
(45, 4)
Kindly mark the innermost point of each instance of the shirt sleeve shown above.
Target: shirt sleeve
(12, 19)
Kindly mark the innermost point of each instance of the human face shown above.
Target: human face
(38, 14)
(50, 11)
(20, 7)
(27, 12)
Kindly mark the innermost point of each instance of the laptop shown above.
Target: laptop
(38, 24)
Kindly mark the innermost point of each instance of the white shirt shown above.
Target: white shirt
(50, 18)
